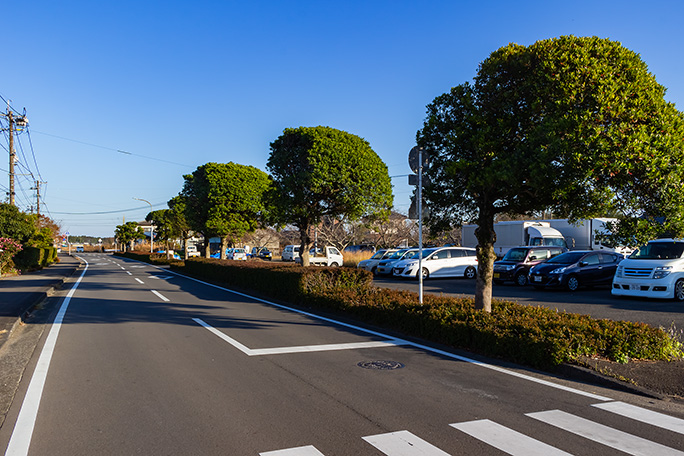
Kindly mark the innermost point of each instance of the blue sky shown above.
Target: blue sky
(179, 84)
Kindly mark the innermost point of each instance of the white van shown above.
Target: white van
(290, 252)
(655, 270)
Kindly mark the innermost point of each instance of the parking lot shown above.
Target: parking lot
(596, 302)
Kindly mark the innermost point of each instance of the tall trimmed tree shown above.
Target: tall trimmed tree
(321, 171)
(575, 125)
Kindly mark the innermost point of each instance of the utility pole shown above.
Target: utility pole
(37, 189)
(13, 121)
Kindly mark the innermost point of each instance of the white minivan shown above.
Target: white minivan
(290, 252)
(655, 270)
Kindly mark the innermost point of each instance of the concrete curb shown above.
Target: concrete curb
(584, 374)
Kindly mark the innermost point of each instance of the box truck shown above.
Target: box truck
(515, 234)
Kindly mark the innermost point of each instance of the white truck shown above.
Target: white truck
(586, 234)
(329, 256)
(515, 234)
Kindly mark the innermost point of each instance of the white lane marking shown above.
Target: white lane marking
(139, 281)
(167, 277)
(403, 443)
(507, 440)
(645, 416)
(605, 435)
(129, 273)
(408, 343)
(297, 349)
(26, 421)
(161, 296)
(299, 451)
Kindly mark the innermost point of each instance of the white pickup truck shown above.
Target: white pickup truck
(332, 257)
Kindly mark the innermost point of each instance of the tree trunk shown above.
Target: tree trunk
(168, 249)
(305, 244)
(224, 246)
(185, 247)
(485, 261)
(207, 247)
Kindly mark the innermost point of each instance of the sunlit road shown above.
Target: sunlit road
(147, 362)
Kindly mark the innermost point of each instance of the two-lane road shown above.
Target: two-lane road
(149, 362)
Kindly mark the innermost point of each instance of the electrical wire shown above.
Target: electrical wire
(109, 212)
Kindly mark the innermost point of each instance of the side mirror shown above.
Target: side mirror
(532, 258)
(583, 263)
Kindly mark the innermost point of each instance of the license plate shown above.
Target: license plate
(496, 275)
(635, 287)
(536, 278)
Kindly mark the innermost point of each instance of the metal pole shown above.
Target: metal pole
(151, 226)
(10, 117)
(420, 225)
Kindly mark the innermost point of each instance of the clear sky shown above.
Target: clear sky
(124, 97)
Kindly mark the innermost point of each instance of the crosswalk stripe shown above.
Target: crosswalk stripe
(605, 435)
(507, 440)
(403, 443)
(645, 416)
(299, 451)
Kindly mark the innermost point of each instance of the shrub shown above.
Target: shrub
(536, 336)
(31, 258)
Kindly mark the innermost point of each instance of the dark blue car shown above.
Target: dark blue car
(574, 269)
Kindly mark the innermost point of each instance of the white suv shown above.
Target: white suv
(655, 270)
(440, 262)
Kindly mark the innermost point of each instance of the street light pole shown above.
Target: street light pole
(151, 225)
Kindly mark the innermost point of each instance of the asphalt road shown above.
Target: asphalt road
(597, 302)
(148, 362)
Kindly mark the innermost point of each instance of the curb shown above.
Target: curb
(587, 375)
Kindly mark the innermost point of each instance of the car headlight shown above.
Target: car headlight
(620, 272)
(662, 271)
(558, 270)
(509, 267)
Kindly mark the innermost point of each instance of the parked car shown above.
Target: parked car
(236, 254)
(574, 269)
(290, 252)
(329, 256)
(371, 264)
(515, 265)
(192, 251)
(440, 262)
(655, 270)
(386, 265)
(262, 253)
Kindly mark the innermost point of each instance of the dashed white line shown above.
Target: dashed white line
(161, 296)
(139, 281)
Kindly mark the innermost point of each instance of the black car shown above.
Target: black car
(576, 268)
(516, 264)
(262, 253)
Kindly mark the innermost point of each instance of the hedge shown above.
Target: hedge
(532, 335)
(30, 258)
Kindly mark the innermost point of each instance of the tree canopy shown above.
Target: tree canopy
(575, 125)
(322, 171)
(225, 200)
(129, 232)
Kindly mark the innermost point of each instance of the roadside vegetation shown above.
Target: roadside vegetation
(534, 336)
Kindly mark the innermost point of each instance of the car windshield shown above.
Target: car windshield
(410, 254)
(566, 258)
(515, 255)
(659, 251)
(397, 255)
(379, 254)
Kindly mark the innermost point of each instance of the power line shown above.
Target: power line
(108, 212)
(113, 149)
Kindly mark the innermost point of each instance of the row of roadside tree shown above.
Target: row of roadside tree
(571, 125)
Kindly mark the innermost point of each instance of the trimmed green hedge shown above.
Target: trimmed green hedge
(152, 258)
(534, 336)
(30, 258)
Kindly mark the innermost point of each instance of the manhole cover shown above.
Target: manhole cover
(380, 365)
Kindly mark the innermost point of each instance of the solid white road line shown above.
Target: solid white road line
(408, 343)
(645, 416)
(297, 349)
(605, 435)
(161, 296)
(26, 421)
(299, 451)
(403, 443)
(139, 281)
(507, 440)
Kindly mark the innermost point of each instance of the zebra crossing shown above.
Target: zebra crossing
(512, 442)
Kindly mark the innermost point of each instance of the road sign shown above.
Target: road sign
(413, 158)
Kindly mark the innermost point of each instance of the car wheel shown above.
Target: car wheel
(374, 270)
(521, 280)
(679, 290)
(334, 265)
(470, 272)
(426, 273)
(573, 283)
